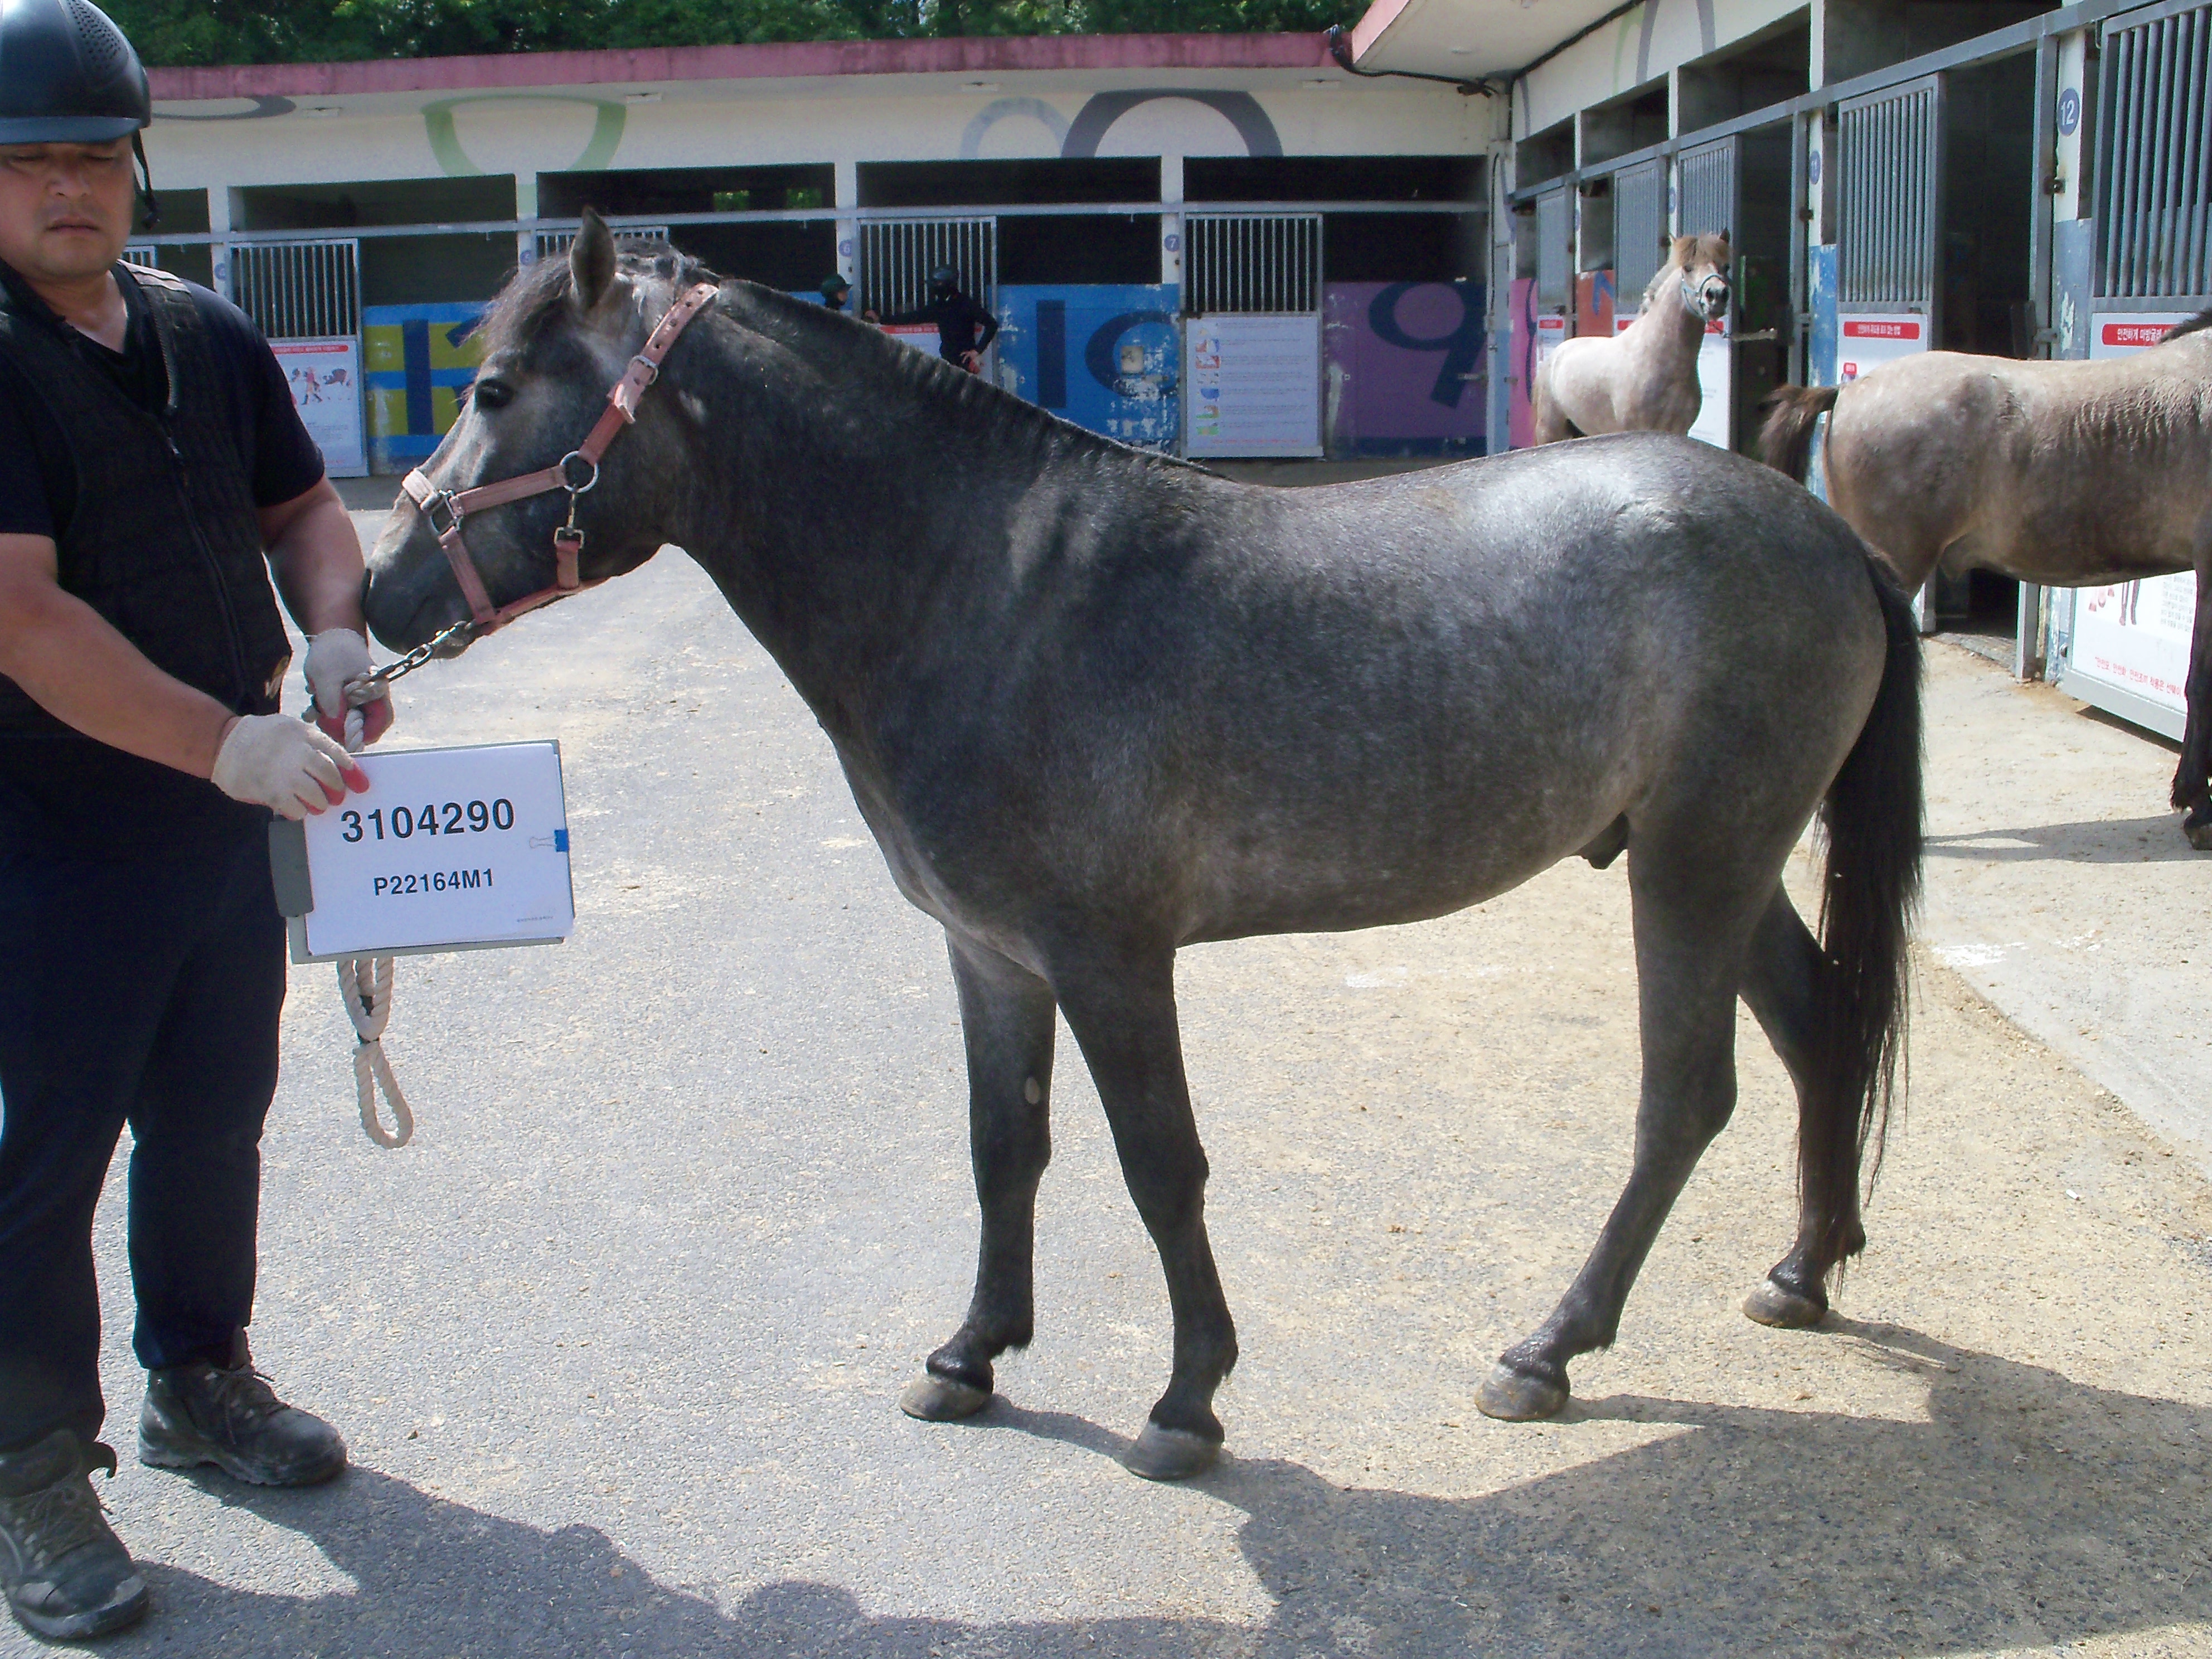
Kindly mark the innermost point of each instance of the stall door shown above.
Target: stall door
(306, 297)
(897, 255)
(1890, 224)
(1640, 233)
(1252, 291)
(550, 244)
(2154, 161)
(1708, 203)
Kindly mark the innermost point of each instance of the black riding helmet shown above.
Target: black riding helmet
(944, 282)
(68, 76)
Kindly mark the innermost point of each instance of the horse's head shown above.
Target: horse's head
(1701, 263)
(560, 335)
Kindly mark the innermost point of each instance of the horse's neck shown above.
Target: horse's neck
(1667, 328)
(841, 507)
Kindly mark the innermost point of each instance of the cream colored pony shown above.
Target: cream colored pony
(2068, 474)
(1646, 378)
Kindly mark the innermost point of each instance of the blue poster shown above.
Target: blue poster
(1105, 356)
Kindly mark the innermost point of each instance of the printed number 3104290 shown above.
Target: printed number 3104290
(451, 817)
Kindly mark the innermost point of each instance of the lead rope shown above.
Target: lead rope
(365, 987)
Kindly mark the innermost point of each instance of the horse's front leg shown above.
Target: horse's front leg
(1121, 1008)
(1006, 1019)
(2192, 778)
(1689, 956)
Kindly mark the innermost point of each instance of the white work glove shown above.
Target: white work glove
(337, 678)
(285, 765)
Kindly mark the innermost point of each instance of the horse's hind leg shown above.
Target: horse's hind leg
(1121, 1009)
(1779, 979)
(1691, 934)
(1006, 1019)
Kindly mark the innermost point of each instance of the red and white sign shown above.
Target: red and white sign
(2133, 636)
(1869, 342)
(2123, 334)
(325, 376)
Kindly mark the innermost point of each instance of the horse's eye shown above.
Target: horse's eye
(491, 394)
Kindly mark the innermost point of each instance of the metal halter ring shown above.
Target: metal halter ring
(577, 489)
(443, 499)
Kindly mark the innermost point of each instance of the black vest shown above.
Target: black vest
(164, 543)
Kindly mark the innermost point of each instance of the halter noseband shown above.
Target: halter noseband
(583, 462)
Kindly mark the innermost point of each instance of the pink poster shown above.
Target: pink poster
(1404, 369)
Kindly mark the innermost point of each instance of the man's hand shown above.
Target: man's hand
(972, 362)
(285, 765)
(337, 663)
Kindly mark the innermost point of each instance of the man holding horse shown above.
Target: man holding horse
(153, 469)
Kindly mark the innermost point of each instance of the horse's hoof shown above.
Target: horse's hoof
(1514, 1396)
(1782, 1308)
(936, 1399)
(1171, 1453)
(2199, 832)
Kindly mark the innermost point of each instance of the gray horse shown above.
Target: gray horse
(2068, 474)
(1095, 705)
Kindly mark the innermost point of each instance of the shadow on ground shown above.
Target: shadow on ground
(2025, 1509)
(2106, 841)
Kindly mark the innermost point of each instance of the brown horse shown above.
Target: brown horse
(1646, 378)
(2067, 474)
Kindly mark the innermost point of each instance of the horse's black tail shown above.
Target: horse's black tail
(1871, 888)
(1785, 440)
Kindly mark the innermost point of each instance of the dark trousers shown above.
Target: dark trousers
(144, 991)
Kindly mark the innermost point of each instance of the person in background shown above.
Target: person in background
(964, 329)
(836, 292)
(154, 472)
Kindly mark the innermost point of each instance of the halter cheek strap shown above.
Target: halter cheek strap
(576, 472)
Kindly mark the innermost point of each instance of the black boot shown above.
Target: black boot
(66, 1573)
(229, 1416)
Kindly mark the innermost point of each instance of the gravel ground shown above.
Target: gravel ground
(616, 1341)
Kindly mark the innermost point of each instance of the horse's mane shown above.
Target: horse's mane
(1002, 419)
(2195, 324)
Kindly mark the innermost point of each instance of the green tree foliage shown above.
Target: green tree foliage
(188, 32)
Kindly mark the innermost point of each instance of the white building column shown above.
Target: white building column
(525, 209)
(220, 205)
(847, 188)
(1171, 228)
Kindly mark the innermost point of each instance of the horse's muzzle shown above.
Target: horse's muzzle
(1713, 300)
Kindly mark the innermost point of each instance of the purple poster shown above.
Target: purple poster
(1403, 369)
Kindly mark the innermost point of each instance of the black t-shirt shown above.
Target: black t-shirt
(60, 790)
(37, 485)
(962, 325)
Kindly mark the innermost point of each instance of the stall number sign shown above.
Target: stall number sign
(448, 848)
(1869, 342)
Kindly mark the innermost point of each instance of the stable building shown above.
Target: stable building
(1222, 244)
(2004, 177)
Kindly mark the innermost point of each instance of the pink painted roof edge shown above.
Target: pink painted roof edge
(1369, 29)
(783, 60)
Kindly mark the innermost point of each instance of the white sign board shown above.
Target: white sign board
(1865, 341)
(1254, 385)
(325, 376)
(448, 849)
(2132, 638)
(1715, 384)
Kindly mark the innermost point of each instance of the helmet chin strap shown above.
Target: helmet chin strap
(152, 218)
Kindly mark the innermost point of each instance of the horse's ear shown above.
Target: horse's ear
(592, 261)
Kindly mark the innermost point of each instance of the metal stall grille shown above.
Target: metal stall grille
(897, 255)
(1708, 195)
(143, 253)
(1889, 207)
(551, 243)
(1639, 230)
(1555, 249)
(299, 290)
(2155, 168)
(1251, 262)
